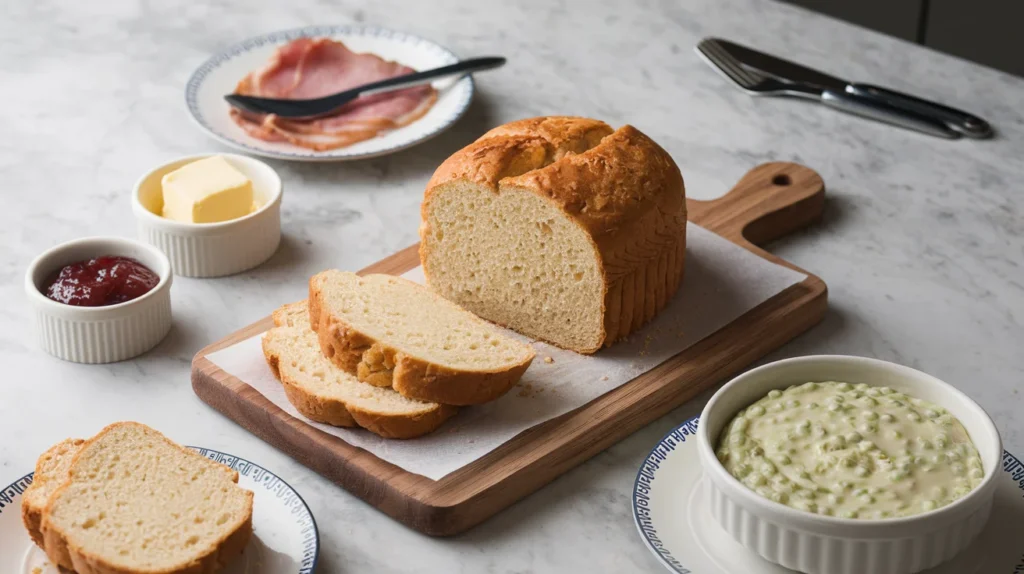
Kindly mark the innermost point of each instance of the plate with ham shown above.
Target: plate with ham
(318, 61)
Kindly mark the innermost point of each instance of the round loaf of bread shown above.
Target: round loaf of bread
(559, 228)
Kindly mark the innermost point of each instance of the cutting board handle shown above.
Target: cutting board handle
(770, 201)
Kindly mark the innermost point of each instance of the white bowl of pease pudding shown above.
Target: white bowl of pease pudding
(845, 465)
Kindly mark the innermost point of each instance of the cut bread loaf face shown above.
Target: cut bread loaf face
(325, 393)
(51, 472)
(559, 228)
(135, 502)
(391, 332)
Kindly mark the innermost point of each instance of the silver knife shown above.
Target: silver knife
(763, 74)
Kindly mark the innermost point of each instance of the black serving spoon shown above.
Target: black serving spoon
(301, 109)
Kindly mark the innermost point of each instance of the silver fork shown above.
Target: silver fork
(749, 80)
(757, 83)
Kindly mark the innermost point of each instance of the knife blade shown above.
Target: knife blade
(791, 72)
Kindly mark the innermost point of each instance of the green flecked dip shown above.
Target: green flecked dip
(853, 451)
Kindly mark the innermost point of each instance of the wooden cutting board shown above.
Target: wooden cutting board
(770, 201)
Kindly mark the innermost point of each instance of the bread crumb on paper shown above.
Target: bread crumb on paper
(549, 360)
(647, 346)
(604, 378)
(530, 391)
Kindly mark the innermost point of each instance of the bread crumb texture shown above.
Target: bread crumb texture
(416, 322)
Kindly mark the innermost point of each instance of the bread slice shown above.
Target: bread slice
(559, 228)
(292, 315)
(136, 503)
(389, 331)
(324, 393)
(51, 472)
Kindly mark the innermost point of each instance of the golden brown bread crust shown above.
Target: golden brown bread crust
(416, 378)
(64, 554)
(31, 515)
(32, 519)
(338, 413)
(519, 147)
(364, 356)
(621, 187)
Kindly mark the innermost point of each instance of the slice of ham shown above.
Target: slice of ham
(253, 125)
(312, 68)
(281, 75)
(339, 131)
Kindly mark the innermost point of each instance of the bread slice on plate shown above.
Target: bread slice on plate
(327, 394)
(136, 503)
(51, 472)
(389, 331)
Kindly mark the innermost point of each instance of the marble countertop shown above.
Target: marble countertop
(922, 244)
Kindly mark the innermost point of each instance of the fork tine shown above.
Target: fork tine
(728, 64)
(711, 50)
(756, 77)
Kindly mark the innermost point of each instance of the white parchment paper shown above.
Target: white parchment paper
(722, 281)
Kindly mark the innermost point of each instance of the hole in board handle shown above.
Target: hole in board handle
(781, 180)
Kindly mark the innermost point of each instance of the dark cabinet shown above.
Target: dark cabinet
(900, 18)
(984, 31)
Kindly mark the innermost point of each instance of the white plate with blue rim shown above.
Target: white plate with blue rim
(674, 523)
(218, 76)
(285, 538)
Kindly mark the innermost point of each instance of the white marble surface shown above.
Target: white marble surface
(922, 244)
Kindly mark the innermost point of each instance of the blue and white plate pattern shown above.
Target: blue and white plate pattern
(675, 525)
(218, 76)
(285, 538)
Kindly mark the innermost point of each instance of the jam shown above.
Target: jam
(102, 281)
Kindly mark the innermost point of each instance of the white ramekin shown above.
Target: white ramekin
(828, 545)
(212, 249)
(100, 334)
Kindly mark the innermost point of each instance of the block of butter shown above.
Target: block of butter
(207, 191)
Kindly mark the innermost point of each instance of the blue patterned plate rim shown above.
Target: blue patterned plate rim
(668, 443)
(212, 63)
(237, 459)
(644, 476)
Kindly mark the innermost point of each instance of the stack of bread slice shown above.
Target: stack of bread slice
(388, 355)
(131, 501)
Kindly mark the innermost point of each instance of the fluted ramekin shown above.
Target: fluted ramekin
(100, 334)
(212, 249)
(819, 544)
